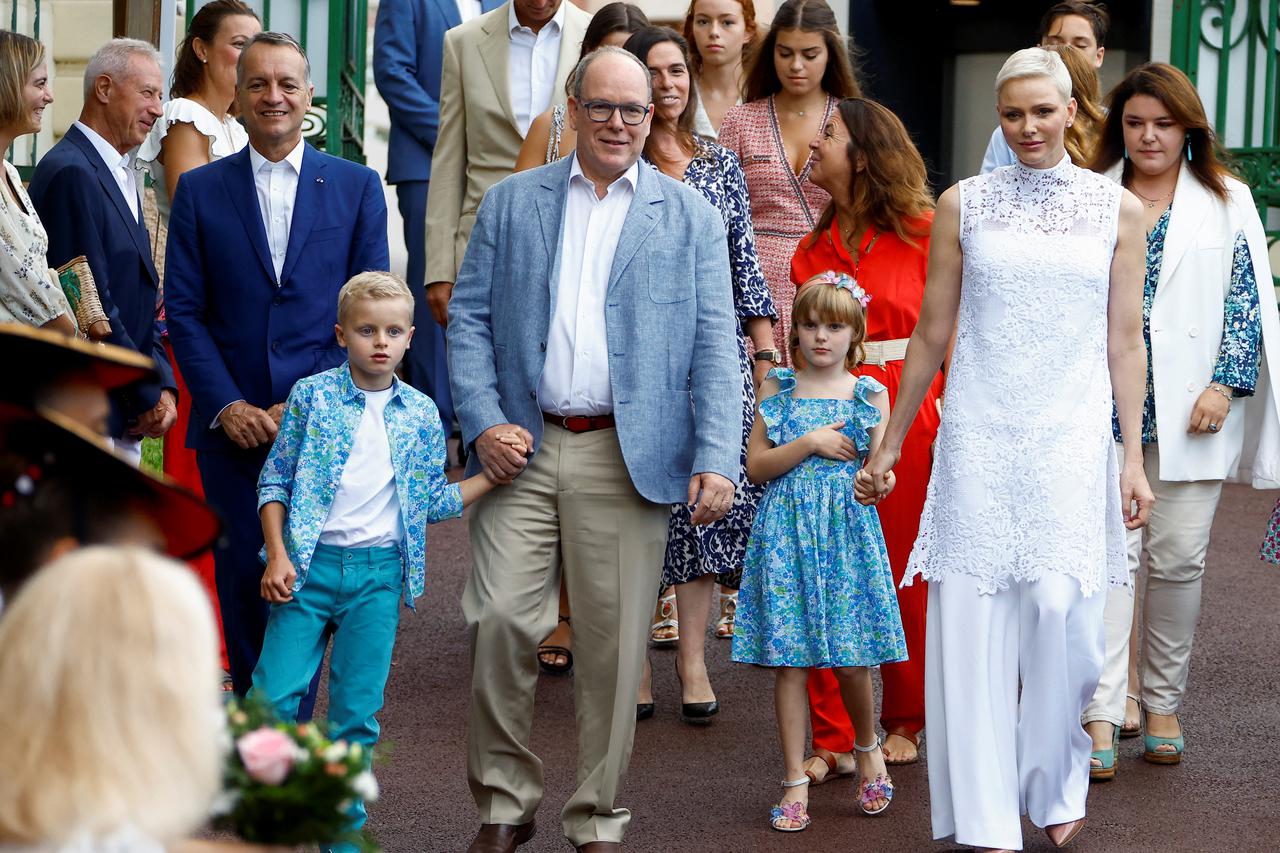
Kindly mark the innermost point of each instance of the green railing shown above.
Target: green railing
(1229, 49)
(24, 17)
(336, 45)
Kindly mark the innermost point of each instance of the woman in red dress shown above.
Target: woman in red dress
(877, 230)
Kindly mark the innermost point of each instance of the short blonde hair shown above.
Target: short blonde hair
(109, 695)
(19, 55)
(372, 285)
(1036, 62)
(828, 304)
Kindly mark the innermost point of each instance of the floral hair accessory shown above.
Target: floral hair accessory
(846, 281)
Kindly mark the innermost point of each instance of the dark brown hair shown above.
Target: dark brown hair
(1169, 86)
(609, 19)
(748, 23)
(809, 16)
(1081, 137)
(1094, 13)
(643, 41)
(188, 70)
(892, 192)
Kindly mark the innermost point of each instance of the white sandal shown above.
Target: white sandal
(728, 602)
(667, 620)
(793, 812)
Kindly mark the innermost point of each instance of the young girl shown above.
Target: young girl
(816, 586)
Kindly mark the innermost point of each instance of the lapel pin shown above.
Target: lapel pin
(319, 180)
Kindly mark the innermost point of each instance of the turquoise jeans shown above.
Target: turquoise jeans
(353, 594)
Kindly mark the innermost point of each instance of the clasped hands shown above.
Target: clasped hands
(249, 426)
(157, 420)
(876, 480)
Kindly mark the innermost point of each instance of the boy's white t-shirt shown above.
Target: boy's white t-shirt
(366, 509)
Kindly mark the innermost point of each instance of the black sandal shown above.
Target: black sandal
(553, 651)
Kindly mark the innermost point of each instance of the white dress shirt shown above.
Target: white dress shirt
(119, 165)
(531, 66)
(468, 9)
(575, 378)
(277, 187)
(366, 510)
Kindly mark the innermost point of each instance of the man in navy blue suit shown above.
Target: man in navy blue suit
(259, 245)
(86, 193)
(408, 54)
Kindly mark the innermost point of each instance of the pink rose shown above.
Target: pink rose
(267, 755)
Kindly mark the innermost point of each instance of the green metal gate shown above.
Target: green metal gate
(1229, 49)
(334, 33)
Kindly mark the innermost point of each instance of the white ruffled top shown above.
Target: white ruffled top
(226, 137)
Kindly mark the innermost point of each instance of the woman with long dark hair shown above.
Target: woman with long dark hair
(795, 77)
(1212, 333)
(877, 229)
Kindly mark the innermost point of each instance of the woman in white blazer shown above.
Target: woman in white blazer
(1213, 338)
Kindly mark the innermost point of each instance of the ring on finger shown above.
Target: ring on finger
(1213, 427)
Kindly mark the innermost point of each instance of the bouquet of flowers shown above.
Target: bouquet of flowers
(287, 784)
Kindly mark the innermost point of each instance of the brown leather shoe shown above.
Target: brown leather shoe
(600, 847)
(501, 837)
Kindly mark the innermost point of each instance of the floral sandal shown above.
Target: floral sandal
(793, 816)
(870, 790)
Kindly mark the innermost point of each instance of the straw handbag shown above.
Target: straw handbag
(77, 283)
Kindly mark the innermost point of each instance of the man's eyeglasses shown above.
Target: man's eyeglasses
(602, 111)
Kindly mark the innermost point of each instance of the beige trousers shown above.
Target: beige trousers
(1176, 541)
(574, 510)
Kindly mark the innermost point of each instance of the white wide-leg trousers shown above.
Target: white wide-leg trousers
(994, 754)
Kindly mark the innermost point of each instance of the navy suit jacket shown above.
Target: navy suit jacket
(408, 54)
(238, 334)
(82, 208)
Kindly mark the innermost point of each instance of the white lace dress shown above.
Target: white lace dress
(1025, 480)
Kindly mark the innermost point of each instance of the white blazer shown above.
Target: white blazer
(1186, 333)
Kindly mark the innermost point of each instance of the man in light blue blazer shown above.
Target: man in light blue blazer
(592, 324)
(408, 54)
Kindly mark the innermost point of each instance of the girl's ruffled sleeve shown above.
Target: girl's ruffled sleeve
(864, 414)
(773, 409)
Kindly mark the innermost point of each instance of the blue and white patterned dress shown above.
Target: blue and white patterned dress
(718, 547)
(816, 585)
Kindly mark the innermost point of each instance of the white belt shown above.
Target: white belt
(880, 352)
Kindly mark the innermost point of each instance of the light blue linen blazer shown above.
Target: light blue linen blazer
(669, 322)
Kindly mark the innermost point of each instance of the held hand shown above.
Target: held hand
(876, 476)
(828, 442)
(864, 491)
(438, 293)
(247, 425)
(159, 419)
(1134, 489)
(1210, 410)
(276, 413)
(710, 497)
(500, 460)
(277, 580)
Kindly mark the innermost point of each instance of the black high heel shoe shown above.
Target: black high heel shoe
(695, 713)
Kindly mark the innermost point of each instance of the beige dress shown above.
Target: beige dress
(29, 290)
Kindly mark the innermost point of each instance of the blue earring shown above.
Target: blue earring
(1188, 148)
(1126, 152)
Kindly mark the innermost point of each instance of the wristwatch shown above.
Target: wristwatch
(768, 355)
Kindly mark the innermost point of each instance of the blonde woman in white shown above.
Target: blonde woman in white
(1023, 525)
(29, 290)
(114, 729)
(1214, 337)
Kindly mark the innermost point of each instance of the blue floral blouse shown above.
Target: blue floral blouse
(1238, 354)
(311, 449)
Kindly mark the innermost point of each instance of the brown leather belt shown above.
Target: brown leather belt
(580, 423)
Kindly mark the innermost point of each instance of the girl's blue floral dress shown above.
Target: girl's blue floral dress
(816, 586)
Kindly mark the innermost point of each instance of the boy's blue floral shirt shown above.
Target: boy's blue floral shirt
(311, 449)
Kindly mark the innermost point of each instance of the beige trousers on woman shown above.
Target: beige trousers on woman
(573, 510)
(1176, 541)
